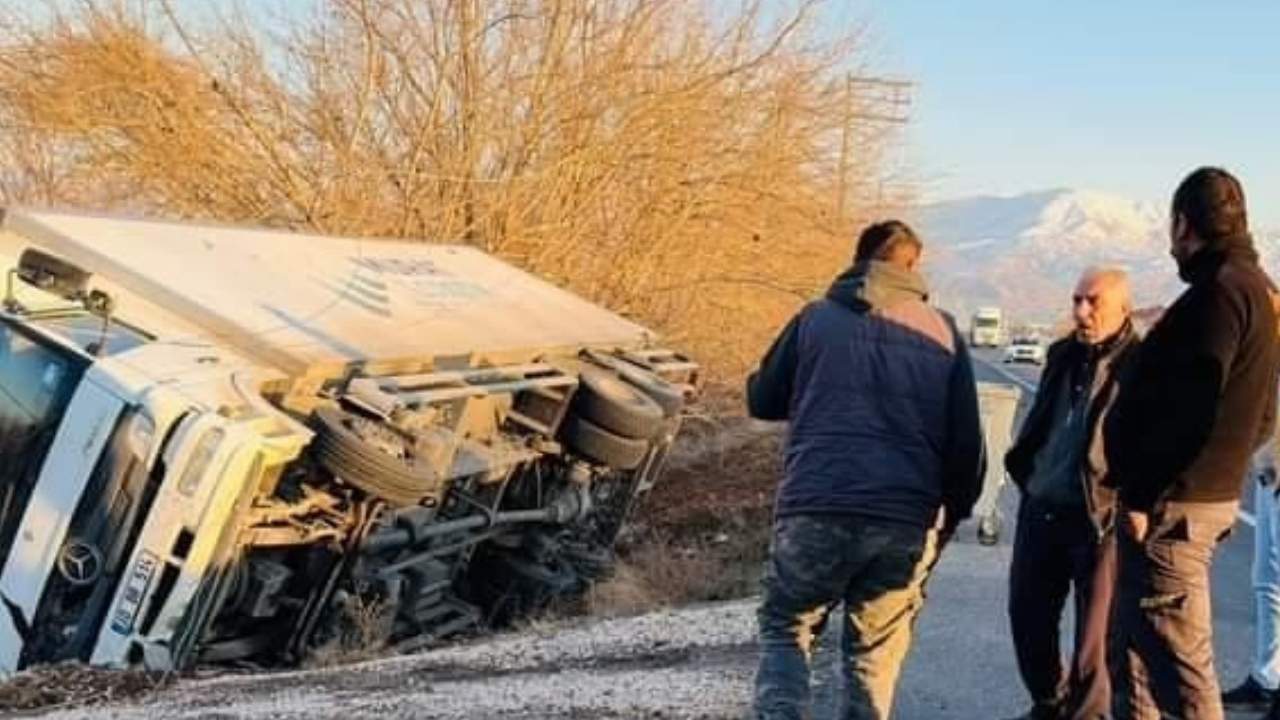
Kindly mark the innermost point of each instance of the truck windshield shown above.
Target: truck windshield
(983, 322)
(85, 331)
(36, 381)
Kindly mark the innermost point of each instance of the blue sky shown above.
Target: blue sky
(1126, 97)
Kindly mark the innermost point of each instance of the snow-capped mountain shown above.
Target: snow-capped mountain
(1024, 253)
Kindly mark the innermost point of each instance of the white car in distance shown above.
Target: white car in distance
(1025, 350)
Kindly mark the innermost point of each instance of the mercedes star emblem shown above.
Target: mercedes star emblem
(80, 562)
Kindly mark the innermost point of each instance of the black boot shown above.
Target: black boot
(1249, 696)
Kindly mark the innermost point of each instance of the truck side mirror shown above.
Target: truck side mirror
(53, 274)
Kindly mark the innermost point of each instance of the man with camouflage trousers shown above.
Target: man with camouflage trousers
(884, 433)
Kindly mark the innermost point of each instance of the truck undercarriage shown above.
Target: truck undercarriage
(425, 506)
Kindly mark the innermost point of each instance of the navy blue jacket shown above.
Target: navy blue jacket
(879, 390)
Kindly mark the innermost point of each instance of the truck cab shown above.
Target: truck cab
(226, 444)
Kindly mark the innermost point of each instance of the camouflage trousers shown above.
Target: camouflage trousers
(878, 571)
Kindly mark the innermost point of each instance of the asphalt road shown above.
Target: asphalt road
(962, 667)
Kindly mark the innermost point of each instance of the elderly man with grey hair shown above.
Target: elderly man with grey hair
(1065, 536)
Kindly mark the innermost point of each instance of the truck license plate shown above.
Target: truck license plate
(135, 588)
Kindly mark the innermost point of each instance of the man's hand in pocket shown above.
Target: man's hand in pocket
(1136, 524)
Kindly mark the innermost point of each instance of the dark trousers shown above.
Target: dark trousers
(1164, 659)
(1055, 553)
(877, 570)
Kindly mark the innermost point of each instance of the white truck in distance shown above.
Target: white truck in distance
(223, 444)
(986, 327)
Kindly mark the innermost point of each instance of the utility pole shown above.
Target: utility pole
(846, 121)
(876, 102)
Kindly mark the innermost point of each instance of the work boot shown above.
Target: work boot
(1274, 712)
(1249, 696)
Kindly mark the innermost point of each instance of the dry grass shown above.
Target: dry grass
(666, 571)
(361, 635)
(70, 684)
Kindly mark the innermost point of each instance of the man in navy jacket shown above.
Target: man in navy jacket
(883, 458)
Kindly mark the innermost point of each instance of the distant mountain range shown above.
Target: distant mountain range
(1024, 253)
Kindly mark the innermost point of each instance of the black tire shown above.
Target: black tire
(340, 449)
(667, 396)
(596, 443)
(616, 405)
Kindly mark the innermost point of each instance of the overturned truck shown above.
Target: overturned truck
(222, 444)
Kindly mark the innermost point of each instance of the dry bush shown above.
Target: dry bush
(696, 166)
(670, 570)
(627, 591)
(361, 635)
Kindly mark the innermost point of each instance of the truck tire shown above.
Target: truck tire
(616, 405)
(667, 396)
(342, 447)
(597, 443)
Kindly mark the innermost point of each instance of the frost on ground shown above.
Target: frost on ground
(689, 663)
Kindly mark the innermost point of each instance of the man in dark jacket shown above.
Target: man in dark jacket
(1064, 542)
(1199, 400)
(884, 431)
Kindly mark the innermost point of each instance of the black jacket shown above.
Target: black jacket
(879, 391)
(1200, 395)
(1105, 364)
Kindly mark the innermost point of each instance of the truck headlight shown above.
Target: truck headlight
(199, 460)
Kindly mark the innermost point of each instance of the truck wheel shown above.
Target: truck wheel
(667, 396)
(593, 441)
(617, 406)
(363, 453)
